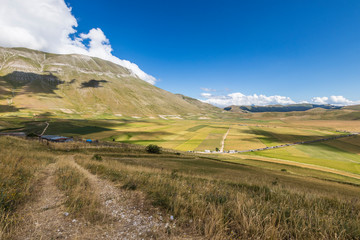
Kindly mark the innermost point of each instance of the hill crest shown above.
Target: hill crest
(35, 81)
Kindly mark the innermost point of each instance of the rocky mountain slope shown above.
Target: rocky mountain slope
(36, 81)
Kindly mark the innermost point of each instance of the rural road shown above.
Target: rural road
(46, 127)
(223, 141)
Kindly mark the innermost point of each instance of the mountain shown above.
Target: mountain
(279, 108)
(353, 107)
(34, 81)
(201, 105)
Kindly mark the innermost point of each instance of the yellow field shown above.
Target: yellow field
(242, 138)
(244, 134)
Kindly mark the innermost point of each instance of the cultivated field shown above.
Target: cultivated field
(199, 135)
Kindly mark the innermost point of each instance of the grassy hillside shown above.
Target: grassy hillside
(33, 81)
(203, 106)
(206, 198)
(354, 107)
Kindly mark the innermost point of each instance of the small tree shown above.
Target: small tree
(153, 148)
(97, 157)
(217, 149)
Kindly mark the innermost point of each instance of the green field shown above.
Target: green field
(200, 135)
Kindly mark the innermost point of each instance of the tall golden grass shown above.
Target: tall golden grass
(20, 160)
(220, 209)
(80, 198)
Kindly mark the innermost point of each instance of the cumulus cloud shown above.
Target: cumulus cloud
(206, 95)
(334, 100)
(262, 100)
(241, 99)
(48, 25)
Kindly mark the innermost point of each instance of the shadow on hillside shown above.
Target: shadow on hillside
(7, 108)
(33, 83)
(68, 127)
(93, 83)
(282, 137)
(149, 135)
(60, 126)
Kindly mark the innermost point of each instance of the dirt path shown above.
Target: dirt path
(223, 140)
(46, 127)
(127, 214)
(131, 218)
(45, 216)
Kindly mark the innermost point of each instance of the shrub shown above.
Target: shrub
(153, 148)
(32, 135)
(97, 157)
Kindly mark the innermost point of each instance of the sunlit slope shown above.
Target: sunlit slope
(76, 84)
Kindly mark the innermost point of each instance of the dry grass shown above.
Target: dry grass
(81, 200)
(220, 209)
(17, 176)
(247, 207)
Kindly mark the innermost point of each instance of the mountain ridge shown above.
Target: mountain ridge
(32, 80)
(279, 108)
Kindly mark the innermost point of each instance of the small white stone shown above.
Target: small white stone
(66, 214)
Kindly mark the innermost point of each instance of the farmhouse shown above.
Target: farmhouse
(55, 138)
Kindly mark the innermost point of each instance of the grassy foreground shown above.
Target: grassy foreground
(17, 176)
(214, 199)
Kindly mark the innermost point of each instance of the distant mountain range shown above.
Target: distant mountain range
(279, 108)
(34, 81)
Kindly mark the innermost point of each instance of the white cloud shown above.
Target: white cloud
(206, 95)
(262, 100)
(48, 25)
(320, 100)
(208, 89)
(241, 99)
(334, 100)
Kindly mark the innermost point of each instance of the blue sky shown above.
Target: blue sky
(300, 49)
(239, 49)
